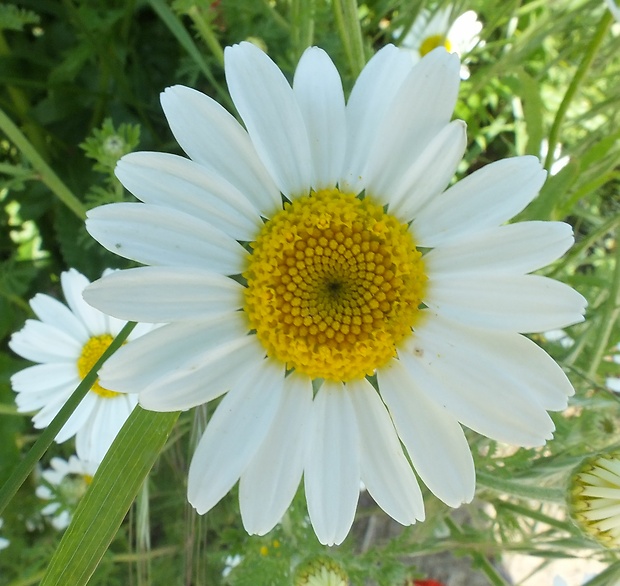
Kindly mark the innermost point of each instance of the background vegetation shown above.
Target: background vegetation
(79, 87)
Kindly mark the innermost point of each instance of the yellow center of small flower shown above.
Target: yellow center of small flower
(434, 41)
(91, 352)
(334, 284)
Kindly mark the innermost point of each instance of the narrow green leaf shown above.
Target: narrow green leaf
(105, 504)
(175, 26)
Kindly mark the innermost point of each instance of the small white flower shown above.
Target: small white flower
(431, 30)
(66, 342)
(65, 483)
(4, 543)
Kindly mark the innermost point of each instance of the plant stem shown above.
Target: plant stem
(608, 319)
(47, 175)
(579, 76)
(25, 467)
(347, 21)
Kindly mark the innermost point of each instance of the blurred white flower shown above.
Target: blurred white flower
(64, 484)
(431, 30)
(4, 543)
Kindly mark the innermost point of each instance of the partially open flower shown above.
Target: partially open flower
(321, 571)
(594, 498)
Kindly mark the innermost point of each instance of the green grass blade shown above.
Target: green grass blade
(105, 504)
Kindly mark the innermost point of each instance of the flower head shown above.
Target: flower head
(66, 342)
(64, 484)
(594, 498)
(439, 29)
(321, 571)
(360, 264)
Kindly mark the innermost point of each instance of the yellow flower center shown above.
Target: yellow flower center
(91, 352)
(334, 285)
(434, 41)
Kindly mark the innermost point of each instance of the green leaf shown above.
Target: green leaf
(104, 506)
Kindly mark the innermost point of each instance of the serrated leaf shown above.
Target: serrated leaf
(105, 504)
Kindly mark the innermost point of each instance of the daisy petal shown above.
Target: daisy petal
(166, 350)
(386, 473)
(318, 90)
(422, 106)
(473, 374)
(434, 439)
(408, 192)
(270, 112)
(522, 303)
(143, 233)
(73, 284)
(40, 342)
(165, 294)
(269, 483)
(368, 103)
(42, 377)
(57, 314)
(209, 376)
(171, 181)
(487, 198)
(332, 471)
(213, 138)
(234, 434)
(510, 249)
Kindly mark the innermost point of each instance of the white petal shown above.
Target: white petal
(213, 138)
(318, 90)
(40, 342)
(57, 314)
(93, 441)
(165, 294)
(522, 303)
(234, 434)
(386, 473)
(427, 177)
(43, 377)
(422, 106)
(167, 349)
(269, 483)
(332, 471)
(368, 103)
(213, 373)
(479, 376)
(510, 249)
(73, 284)
(487, 198)
(434, 439)
(271, 115)
(160, 236)
(172, 181)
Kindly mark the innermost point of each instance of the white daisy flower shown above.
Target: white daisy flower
(614, 9)
(66, 342)
(438, 29)
(594, 499)
(65, 483)
(334, 288)
(4, 543)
